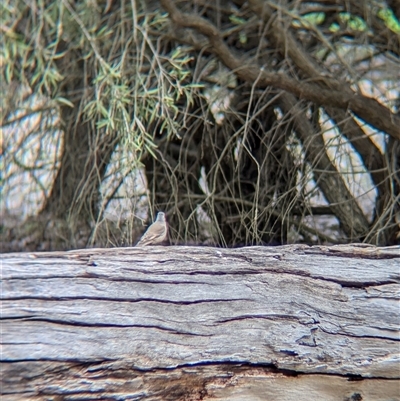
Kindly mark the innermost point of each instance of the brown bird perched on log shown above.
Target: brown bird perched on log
(156, 233)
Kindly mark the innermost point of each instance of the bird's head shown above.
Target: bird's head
(160, 216)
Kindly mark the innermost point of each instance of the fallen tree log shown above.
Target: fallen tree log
(195, 323)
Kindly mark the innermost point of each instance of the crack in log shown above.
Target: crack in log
(230, 367)
(394, 279)
(355, 284)
(270, 317)
(104, 325)
(128, 300)
(346, 334)
(354, 255)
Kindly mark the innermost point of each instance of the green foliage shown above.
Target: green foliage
(390, 20)
(133, 86)
(351, 22)
(315, 18)
(246, 157)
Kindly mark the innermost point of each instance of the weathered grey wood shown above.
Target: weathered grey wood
(258, 323)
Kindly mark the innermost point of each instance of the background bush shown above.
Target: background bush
(247, 122)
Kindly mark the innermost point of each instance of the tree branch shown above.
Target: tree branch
(345, 207)
(369, 110)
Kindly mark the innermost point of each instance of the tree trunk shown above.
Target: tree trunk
(190, 323)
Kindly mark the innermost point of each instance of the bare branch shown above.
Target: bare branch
(367, 109)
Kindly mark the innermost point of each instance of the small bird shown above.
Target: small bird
(156, 233)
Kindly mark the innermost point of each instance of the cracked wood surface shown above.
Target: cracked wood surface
(197, 323)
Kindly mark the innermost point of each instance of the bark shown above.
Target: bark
(345, 207)
(338, 96)
(190, 323)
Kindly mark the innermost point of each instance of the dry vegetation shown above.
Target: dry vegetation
(247, 122)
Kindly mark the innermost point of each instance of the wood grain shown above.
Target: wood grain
(199, 323)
